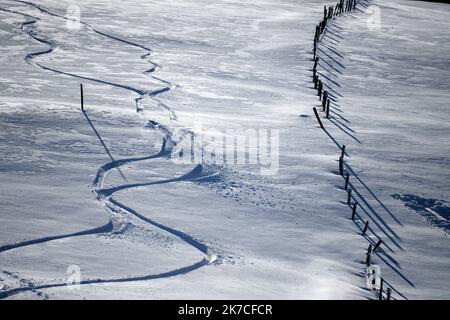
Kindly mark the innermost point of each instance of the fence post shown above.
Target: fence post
(328, 108)
(324, 100)
(369, 252)
(341, 166)
(82, 98)
(319, 90)
(388, 294)
(366, 226)
(343, 151)
(381, 289)
(349, 198)
(318, 118)
(354, 210)
(315, 48)
(378, 245)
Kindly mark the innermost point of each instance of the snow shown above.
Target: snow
(140, 225)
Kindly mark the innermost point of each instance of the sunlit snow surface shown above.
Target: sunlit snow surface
(98, 192)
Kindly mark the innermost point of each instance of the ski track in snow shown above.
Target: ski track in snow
(114, 208)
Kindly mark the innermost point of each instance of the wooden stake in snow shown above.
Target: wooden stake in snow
(343, 151)
(377, 245)
(319, 89)
(354, 211)
(328, 108)
(316, 62)
(381, 289)
(324, 99)
(368, 254)
(82, 98)
(341, 166)
(366, 226)
(349, 197)
(315, 48)
(318, 118)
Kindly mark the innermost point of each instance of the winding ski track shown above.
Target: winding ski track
(104, 195)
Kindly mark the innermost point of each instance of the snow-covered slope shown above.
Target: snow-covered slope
(392, 85)
(168, 230)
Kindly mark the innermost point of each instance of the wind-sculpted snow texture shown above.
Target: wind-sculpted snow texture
(152, 73)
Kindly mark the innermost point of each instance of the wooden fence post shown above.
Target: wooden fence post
(349, 197)
(366, 226)
(343, 151)
(378, 244)
(82, 97)
(328, 108)
(368, 254)
(341, 166)
(381, 289)
(315, 48)
(318, 118)
(319, 89)
(324, 99)
(354, 211)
